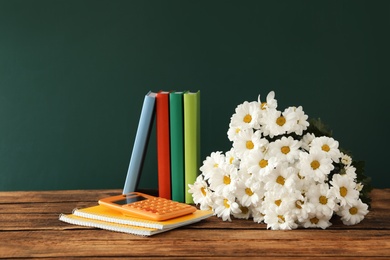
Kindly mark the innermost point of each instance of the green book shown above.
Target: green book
(191, 104)
(177, 145)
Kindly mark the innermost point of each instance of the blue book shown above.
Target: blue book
(140, 143)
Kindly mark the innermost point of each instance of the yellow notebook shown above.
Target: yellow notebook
(105, 218)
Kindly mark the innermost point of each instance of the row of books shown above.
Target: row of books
(177, 115)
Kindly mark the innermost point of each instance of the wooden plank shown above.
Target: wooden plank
(305, 243)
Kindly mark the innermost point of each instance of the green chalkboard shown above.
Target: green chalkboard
(73, 75)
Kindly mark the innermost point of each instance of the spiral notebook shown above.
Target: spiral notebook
(108, 219)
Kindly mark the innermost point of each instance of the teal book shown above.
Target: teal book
(191, 105)
(177, 145)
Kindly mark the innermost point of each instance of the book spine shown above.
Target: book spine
(163, 144)
(191, 102)
(140, 143)
(177, 145)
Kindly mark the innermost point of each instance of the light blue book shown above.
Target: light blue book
(140, 143)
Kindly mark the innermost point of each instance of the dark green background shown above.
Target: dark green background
(73, 75)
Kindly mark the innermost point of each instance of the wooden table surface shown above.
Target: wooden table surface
(29, 228)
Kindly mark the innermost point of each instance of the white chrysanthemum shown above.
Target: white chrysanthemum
(285, 148)
(259, 164)
(283, 176)
(346, 159)
(233, 132)
(211, 163)
(274, 123)
(277, 219)
(322, 199)
(302, 208)
(257, 213)
(315, 165)
(247, 141)
(359, 186)
(244, 175)
(201, 193)
(306, 141)
(270, 102)
(280, 198)
(246, 116)
(350, 171)
(302, 184)
(344, 189)
(245, 212)
(223, 181)
(224, 206)
(328, 146)
(249, 193)
(296, 114)
(231, 158)
(317, 220)
(354, 213)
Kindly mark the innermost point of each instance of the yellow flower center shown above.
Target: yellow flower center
(353, 210)
(263, 163)
(281, 120)
(203, 191)
(325, 148)
(244, 210)
(226, 180)
(323, 200)
(238, 130)
(315, 165)
(298, 204)
(263, 105)
(314, 220)
(231, 160)
(280, 180)
(226, 204)
(216, 165)
(247, 118)
(343, 191)
(285, 149)
(250, 145)
(248, 191)
(278, 202)
(281, 219)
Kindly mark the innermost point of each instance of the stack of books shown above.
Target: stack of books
(177, 116)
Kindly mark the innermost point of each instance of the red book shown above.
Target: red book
(163, 145)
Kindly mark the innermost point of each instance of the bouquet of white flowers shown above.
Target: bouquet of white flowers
(282, 171)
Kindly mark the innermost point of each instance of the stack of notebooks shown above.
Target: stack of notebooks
(109, 219)
(178, 142)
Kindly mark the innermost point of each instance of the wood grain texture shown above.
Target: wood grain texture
(29, 228)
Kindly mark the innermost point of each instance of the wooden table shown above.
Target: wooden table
(29, 228)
